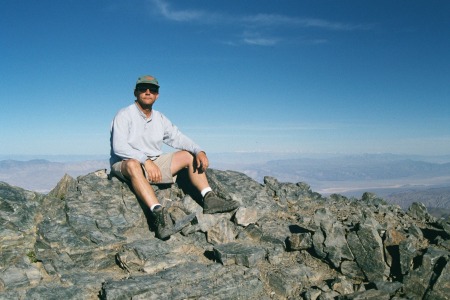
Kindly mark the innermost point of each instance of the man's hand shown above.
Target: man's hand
(153, 171)
(201, 162)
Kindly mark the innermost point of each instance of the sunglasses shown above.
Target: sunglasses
(144, 88)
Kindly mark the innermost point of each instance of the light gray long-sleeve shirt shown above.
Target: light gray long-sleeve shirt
(133, 135)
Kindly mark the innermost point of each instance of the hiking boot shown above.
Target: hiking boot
(163, 223)
(213, 204)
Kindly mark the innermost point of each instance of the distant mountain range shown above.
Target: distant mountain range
(41, 175)
(399, 179)
(351, 172)
(438, 198)
(348, 168)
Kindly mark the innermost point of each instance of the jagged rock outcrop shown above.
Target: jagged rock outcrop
(91, 238)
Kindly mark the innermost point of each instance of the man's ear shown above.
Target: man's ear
(135, 93)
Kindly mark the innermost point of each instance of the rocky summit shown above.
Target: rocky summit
(91, 238)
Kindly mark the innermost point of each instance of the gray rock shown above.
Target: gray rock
(441, 287)
(392, 239)
(330, 295)
(342, 285)
(372, 199)
(389, 287)
(239, 254)
(318, 239)
(331, 242)
(274, 247)
(18, 214)
(66, 183)
(222, 232)
(272, 226)
(446, 227)
(149, 256)
(289, 193)
(300, 241)
(91, 236)
(57, 292)
(417, 282)
(283, 285)
(13, 278)
(245, 216)
(368, 295)
(240, 187)
(311, 294)
(367, 248)
(18, 217)
(407, 252)
(287, 282)
(445, 244)
(415, 231)
(352, 270)
(191, 206)
(251, 233)
(15, 294)
(211, 282)
(419, 211)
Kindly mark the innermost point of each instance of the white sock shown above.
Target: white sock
(206, 191)
(154, 206)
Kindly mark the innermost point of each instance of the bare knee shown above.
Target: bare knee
(131, 167)
(181, 159)
(187, 157)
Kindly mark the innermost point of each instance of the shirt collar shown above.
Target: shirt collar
(143, 114)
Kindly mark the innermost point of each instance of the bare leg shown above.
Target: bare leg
(211, 203)
(132, 169)
(184, 159)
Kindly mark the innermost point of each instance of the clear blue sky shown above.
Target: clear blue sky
(296, 76)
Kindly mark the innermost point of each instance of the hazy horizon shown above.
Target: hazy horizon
(232, 155)
(326, 173)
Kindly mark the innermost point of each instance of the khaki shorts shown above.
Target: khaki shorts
(163, 161)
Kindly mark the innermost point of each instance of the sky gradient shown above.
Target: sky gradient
(267, 76)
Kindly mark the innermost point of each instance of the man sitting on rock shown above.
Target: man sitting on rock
(137, 135)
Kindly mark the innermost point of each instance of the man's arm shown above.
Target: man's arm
(176, 139)
(202, 162)
(119, 136)
(153, 173)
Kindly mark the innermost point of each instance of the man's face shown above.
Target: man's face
(146, 95)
